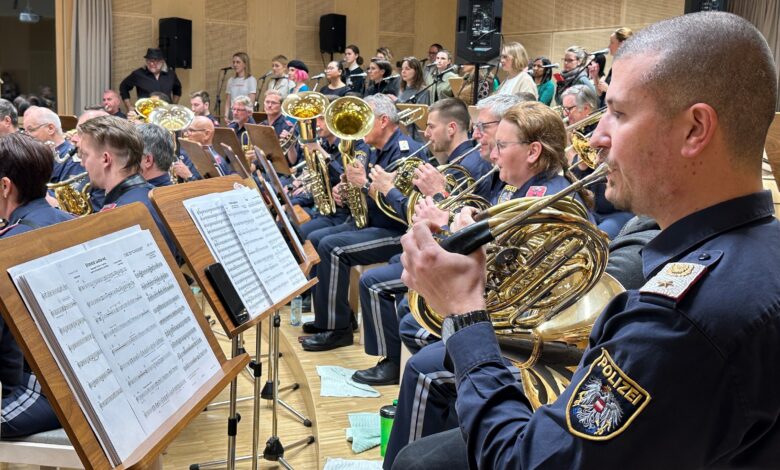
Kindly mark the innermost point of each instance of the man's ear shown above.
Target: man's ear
(700, 123)
(5, 186)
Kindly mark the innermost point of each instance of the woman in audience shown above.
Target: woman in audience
(298, 73)
(514, 60)
(334, 73)
(242, 84)
(543, 79)
(352, 63)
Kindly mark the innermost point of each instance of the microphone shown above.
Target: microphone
(486, 67)
(225, 69)
(387, 79)
(600, 51)
(364, 74)
(448, 69)
(551, 66)
(268, 74)
(318, 76)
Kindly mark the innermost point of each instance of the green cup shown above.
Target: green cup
(386, 417)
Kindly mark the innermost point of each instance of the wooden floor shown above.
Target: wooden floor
(205, 438)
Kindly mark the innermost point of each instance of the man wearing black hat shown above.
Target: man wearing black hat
(151, 78)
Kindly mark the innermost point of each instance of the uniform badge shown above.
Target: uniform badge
(403, 145)
(361, 156)
(107, 207)
(536, 191)
(605, 401)
(506, 193)
(674, 280)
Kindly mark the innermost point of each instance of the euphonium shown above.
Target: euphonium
(306, 107)
(70, 197)
(350, 119)
(145, 106)
(172, 118)
(544, 256)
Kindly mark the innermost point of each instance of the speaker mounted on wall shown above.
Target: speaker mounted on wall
(176, 42)
(333, 33)
(478, 37)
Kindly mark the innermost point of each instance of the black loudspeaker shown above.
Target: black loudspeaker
(692, 6)
(333, 33)
(176, 42)
(478, 37)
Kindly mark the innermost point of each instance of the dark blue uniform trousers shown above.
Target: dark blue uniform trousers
(413, 335)
(340, 248)
(380, 290)
(26, 411)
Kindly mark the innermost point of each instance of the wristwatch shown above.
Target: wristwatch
(455, 323)
(366, 187)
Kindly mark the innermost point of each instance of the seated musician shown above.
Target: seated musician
(200, 103)
(272, 105)
(9, 118)
(579, 102)
(242, 114)
(112, 103)
(381, 287)
(96, 195)
(527, 145)
(44, 125)
(346, 245)
(158, 155)
(682, 150)
(25, 168)
(111, 150)
(201, 130)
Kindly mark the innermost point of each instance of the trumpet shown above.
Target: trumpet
(543, 256)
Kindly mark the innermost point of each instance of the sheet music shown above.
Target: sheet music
(283, 215)
(135, 356)
(220, 236)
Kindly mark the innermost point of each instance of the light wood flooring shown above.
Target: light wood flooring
(205, 439)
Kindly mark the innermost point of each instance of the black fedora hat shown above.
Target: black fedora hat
(154, 54)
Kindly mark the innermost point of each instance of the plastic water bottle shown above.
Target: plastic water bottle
(296, 310)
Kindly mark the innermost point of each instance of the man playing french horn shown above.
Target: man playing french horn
(687, 358)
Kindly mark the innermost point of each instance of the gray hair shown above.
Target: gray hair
(383, 106)
(583, 95)
(47, 116)
(580, 53)
(499, 104)
(676, 76)
(8, 109)
(159, 144)
(243, 100)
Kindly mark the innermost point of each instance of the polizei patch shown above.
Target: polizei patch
(605, 401)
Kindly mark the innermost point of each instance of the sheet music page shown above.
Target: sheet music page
(170, 308)
(215, 227)
(283, 215)
(287, 268)
(105, 396)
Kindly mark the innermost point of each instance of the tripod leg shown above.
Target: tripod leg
(258, 371)
(234, 417)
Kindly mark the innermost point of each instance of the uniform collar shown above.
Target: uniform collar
(460, 150)
(23, 211)
(538, 179)
(692, 230)
(392, 142)
(126, 185)
(162, 180)
(63, 147)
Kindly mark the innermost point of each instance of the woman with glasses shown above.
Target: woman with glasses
(575, 71)
(242, 84)
(543, 79)
(334, 73)
(514, 60)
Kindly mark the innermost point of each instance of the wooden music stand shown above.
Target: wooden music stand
(226, 135)
(296, 213)
(265, 137)
(47, 240)
(422, 121)
(236, 162)
(203, 162)
(473, 113)
(456, 84)
(169, 203)
(259, 116)
(68, 123)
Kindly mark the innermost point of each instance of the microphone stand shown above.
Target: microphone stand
(416, 96)
(220, 84)
(258, 94)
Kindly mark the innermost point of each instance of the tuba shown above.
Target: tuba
(350, 119)
(172, 118)
(145, 106)
(70, 197)
(544, 256)
(306, 107)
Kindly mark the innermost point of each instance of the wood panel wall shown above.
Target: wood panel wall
(264, 28)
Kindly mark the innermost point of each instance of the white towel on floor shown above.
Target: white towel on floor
(337, 382)
(344, 464)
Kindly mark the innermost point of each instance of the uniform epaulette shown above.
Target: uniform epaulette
(674, 280)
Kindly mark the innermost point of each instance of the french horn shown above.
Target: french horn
(543, 257)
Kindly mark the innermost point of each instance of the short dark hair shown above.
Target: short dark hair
(385, 66)
(120, 135)
(202, 94)
(26, 162)
(452, 109)
(8, 109)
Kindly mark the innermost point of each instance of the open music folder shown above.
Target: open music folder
(122, 332)
(242, 235)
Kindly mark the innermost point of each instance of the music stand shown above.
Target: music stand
(473, 113)
(259, 116)
(265, 137)
(44, 241)
(203, 162)
(295, 213)
(68, 122)
(235, 161)
(456, 84)
(169, 202)
(226, 135)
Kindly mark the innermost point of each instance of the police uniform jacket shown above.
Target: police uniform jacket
(35, 214)
(398, 146)
(281, 124)
(162, 180)
(681, 373)
(243, 137)
(69, 167)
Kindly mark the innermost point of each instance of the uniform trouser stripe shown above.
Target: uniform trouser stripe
(376, 311)
(424, 382)
(22, 402)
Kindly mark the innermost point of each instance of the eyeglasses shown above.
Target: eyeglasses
(480, 126)
(503, 145)
(33, 129)
(567, 109)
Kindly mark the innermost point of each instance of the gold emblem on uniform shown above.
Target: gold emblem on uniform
(674, 280)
